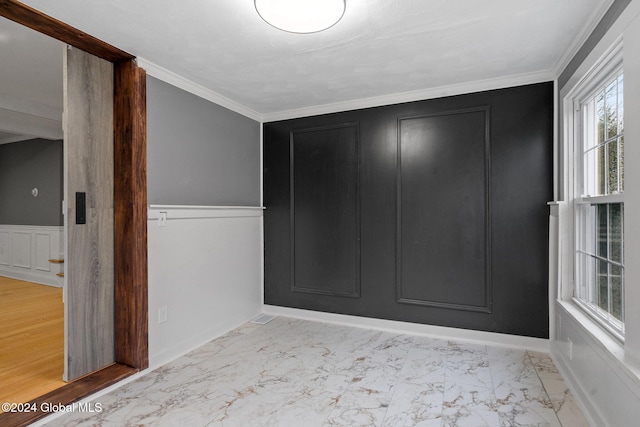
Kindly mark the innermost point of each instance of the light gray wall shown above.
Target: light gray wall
(36, 163)
(199, 153)
(603, 26)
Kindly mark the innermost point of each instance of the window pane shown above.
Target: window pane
(612, 166)
(615, 232)
(611, 109)
(603, 127)
(622, 230)
(603, 285)
(620, 105)
(589, 236)
(615, 282)
(590, 169)
(621, 161)
(601, 175)
(601, 231)
(600, 116)
(600, 226)
(590, 280)
(580, 274)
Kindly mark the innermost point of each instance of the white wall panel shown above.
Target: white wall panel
(43, 251)
(25, 251)
(4, 248)
(21, 249)
(205, 267)
(594, 368)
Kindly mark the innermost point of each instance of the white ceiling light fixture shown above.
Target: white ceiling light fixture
(301, 16)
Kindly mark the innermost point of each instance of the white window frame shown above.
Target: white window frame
(609, 66)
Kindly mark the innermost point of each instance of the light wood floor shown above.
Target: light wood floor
(31, 340)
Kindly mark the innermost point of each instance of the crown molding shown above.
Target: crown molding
(30, 125)
(176, 80)
(376, 101)
(30, 107)
(418, 95)
(580, 39)
(29, 119)
(15, 138)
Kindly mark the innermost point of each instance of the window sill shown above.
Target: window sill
(600, 324)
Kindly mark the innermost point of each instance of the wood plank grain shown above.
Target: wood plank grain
(90, 309)
(131, 216)
(31, 354)
(90, 330)
(89, 129)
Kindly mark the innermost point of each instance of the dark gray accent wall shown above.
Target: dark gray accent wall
(25, 165)
(199, 153)
(430, 212)
(605, 23)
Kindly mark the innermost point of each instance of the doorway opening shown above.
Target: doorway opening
(31, 219)
(129, 213)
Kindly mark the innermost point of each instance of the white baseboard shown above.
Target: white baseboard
(456, 334)
(33, 277)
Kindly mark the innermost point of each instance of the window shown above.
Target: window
(599, 197)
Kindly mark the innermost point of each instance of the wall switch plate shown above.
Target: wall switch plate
(162, 314)
(162, 219)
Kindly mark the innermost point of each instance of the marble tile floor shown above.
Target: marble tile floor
(299, 373)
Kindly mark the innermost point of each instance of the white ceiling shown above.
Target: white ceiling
(31, 84)
(380, 48)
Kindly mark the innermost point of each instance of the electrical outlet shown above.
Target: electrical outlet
(570, 348)
(163, 314)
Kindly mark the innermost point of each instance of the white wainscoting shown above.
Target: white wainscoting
(205, 268)
(25, 251)
(605, 385)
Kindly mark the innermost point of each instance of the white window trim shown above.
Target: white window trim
(607, 66)
(589, 311)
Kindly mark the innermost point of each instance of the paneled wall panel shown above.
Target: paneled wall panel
(4, 248)
(43, 251)
(21, 249)
(443, 205)
(325, 232)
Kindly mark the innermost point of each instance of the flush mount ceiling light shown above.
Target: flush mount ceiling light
(301, 16)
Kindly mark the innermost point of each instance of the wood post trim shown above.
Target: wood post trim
(34, 19)
(130, 215)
